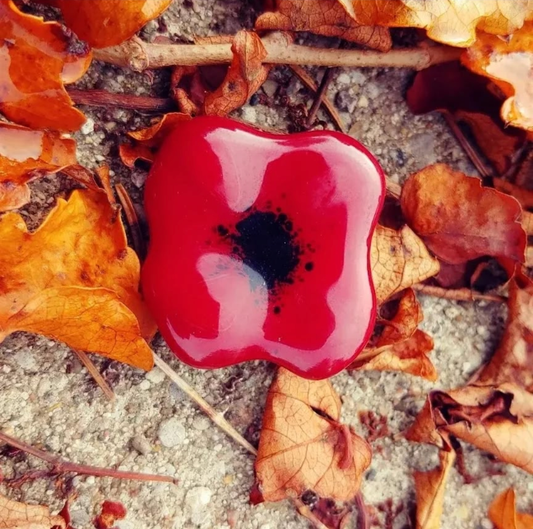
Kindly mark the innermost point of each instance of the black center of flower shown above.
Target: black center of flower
(266, 242)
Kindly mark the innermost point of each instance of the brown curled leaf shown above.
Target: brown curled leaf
(327, 17)
(502, 513)
(29, 44)
(86, 292)
(303, 446)
(399, 259)
(18, 515)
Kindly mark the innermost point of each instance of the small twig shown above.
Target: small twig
(60, 466)
(98, 378)
(103, 98)
(139, 55)
(214, 415)
(306, 512)
(457, 294)
(363, 519)
(133, 221)
(393, 189)
(320, 95)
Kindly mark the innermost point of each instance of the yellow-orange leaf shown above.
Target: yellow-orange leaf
(17, 515)
(36, 58)
(303, 446)
(86, 290)
(502, 513)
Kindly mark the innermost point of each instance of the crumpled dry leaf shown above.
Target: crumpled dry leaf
(110, 513)
(472, 101)
(103, 23)
(509, 63)
(430, 487)
(303, 446)
(17, 515)
(86, 290)
(26, 154)
(460, 220)
(502, 513)
(399, 259)
(327, 18)
(38, 100)
(449, 21)
(245, 75)
(401, 346)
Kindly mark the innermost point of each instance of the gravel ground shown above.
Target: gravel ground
(47, 398)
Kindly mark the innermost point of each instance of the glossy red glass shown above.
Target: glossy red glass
(260, 246)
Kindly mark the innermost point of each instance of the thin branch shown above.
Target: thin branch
(320, 95)
(457, 294)
(393, 189)
(103, 98)
(59, 466)
(98, 378)
(139, 55)
(363, 519)
(306, 512)
(133, 221)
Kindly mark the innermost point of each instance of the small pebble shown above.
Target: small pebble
(156, 376)
(171, 432)
(144, 385)
(197, 498)
(270, 87)
(141, 444)
(363, 102)
(200, 423)
(88, 127)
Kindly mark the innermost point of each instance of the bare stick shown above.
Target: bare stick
(133, 221)
(306, 512)
(457, 294)
(363, 521)
(103, 98)
(139, 55)
(214, 415)
(59, 466)
(393, 189)
(98, 378)
(320, 95)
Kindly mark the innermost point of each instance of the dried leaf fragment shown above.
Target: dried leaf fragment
(28, 44)
(111, 512)
(17, 515)
(502, 513)
(303, 446)
(86, 291)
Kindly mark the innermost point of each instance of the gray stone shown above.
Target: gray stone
(141, 444)
(171, 432)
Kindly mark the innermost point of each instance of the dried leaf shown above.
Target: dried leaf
(111, 512)
(245, 75)
(430, 487)
(401, 346)
(460, 220)
(449, 21)
(86, 291)
(303, 446)
(17, 515)
(38, 100)
(103, 23)
(26, 154)
(326, 17)
(399, 259)
(509, 63)
(502, 513)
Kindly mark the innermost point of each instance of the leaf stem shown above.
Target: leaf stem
(98, 378)
(103, 98)
(457, 294)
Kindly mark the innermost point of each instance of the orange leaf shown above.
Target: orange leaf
(26, 154)
(36, 58)
(460, 220)
(17, 515)
(502, 513)
(245, 75)
(399, 259)
(86, 291)
(303, 446)
(326, 17)
(104, 23)
(509, 63)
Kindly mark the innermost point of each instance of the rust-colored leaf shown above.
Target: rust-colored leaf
(38, 99)
(399, 259)
(26, 154)
(460, 220)
(509, 63)
(103, 23)
(244, 77)
(430, 487)
(327, 17)
(86, 290)
(17, 515)
(502, 513)
(303, 446)
(111, 512)
(400, 346)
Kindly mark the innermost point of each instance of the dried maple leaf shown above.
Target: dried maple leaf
(326, 17)
(29, 44)
(86, 290)
(449, 21)
(460, 220)
(401, 346)
(509, 63)
(17, 515)
(245, 75)
(303, 446)
(430, 487)
(502, 513)
(399, 259)
(103, 23)
(111, 512)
